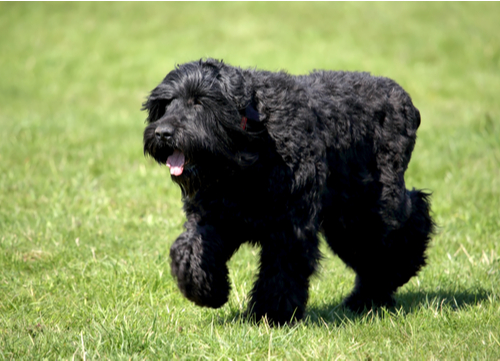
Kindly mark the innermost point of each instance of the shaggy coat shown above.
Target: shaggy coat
(275, 159)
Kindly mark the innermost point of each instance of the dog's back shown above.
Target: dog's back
(368, 98)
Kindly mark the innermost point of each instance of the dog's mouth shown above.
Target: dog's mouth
(175, 162)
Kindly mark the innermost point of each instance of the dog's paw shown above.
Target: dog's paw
(201, 277)
(358, 302)
(273, 314)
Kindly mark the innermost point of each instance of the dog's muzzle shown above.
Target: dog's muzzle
(175, 162)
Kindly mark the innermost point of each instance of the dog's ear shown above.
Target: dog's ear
(233, 84)
(237, 89)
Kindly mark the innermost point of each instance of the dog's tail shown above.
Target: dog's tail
(420, 217)
(410, 242)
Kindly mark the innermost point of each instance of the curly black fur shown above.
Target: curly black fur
(274, 159)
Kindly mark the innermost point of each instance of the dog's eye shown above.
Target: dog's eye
(167, 103)
(194, 101)
(162, 106)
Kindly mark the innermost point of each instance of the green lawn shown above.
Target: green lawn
(86, 221)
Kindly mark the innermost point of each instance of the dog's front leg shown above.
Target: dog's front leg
(286, 263)
(198, 262)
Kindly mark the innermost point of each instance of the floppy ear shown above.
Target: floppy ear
(233, 84)
(236, 88)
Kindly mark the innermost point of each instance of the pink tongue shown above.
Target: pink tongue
(176, 163)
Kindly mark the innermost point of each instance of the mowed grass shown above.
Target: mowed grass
(86, 221)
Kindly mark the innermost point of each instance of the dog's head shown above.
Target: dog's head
(201, 121)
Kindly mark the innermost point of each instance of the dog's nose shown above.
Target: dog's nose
(164, 132)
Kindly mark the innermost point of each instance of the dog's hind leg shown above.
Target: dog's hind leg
(400, 257)
(382, 261)
(287, 260)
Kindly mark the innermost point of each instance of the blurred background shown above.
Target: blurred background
(75, 186)
(74, 76)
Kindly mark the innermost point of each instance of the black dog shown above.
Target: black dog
(274, 159)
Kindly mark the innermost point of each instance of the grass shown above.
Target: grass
(86, 221)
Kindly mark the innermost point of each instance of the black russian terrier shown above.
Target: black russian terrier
(274, 159)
